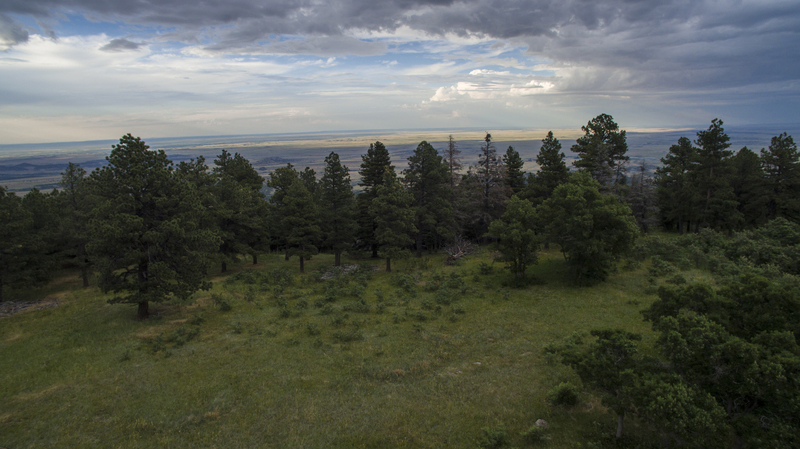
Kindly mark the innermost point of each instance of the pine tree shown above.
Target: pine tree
(373, 167)
(76, 204)
(279, 182)
(782, 170)
(749, 189)
(486, 192)
(301, 220)
(552, 172)
(240, 208)
(146, 235)
(338, 207)
(517, 239)
(642, 198)
(593, 230)
(718, 204)
(513, 163)
(452, 158)
(427, 178)
(602, 151)
(21, 258)
(675, 188)
(394, 218)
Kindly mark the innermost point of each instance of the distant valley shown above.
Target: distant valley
(25, 166)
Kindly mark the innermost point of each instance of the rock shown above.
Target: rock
(541, 423)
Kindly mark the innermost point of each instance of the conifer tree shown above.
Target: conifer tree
(485, 190)
(749, 189)
(279, 182)
(21, 258)
(338, 207)
(373, 167)
(717, 203)
(517, 239)
(301, 221)
(452, 158)
(593, 230)
(552, 172)
(602, 151)
(782, 170)
(394, 218)
(642, 198)
(675, 188)
(513, 163)
(427, 178)
(240, 208)
(146, 235)
(76, 204)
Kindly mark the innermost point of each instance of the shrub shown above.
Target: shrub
(494, 438)
(221, 302)
(564, 394)
(485, 269)
(535, 434)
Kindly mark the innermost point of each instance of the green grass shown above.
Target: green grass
(279, 371)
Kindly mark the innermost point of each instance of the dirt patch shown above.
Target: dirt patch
(14, 307)
(12, 337)
(37, 395)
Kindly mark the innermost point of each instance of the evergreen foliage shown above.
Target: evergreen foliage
(146, 235)
(717, 201)
(338, 207)
(23, 259)
(515, 176)
(393, 216)
(517, 240)
(677, 197)
(602, 151)
(782, 170)
(593, 230)
(373, 167)
(75, 206)
(240, 209)
(552, 172)
(427, 178)
(301, 222)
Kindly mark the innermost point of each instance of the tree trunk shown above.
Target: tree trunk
(419, 244)
(620, 419)
(337, 258)
(374, 250)
(388, 265)
(255, 259)
(302, 265)
(224, 267)
(286, 258)
(143, 311)
(85, 275)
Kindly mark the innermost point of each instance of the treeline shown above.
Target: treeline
(151, 229)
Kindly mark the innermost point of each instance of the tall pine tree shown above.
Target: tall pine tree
(394, 218)
(338, 207)
(427, 178)
(373, 167)
(782, 170)
(147, 240)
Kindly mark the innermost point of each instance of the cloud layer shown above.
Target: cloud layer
(441, 58)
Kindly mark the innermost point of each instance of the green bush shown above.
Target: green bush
(564, 394)
(536, 434)
(494, 438)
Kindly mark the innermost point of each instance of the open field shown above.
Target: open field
(423, 357)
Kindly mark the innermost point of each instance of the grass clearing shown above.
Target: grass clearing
(416, 358)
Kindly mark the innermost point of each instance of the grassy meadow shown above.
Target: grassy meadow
(424, 357)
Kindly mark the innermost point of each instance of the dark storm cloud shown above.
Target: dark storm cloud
(120, 45)
(11, 33)
(627, 43)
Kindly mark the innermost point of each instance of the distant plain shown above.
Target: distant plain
(24, 166)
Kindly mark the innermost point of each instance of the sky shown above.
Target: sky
(75, 70)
